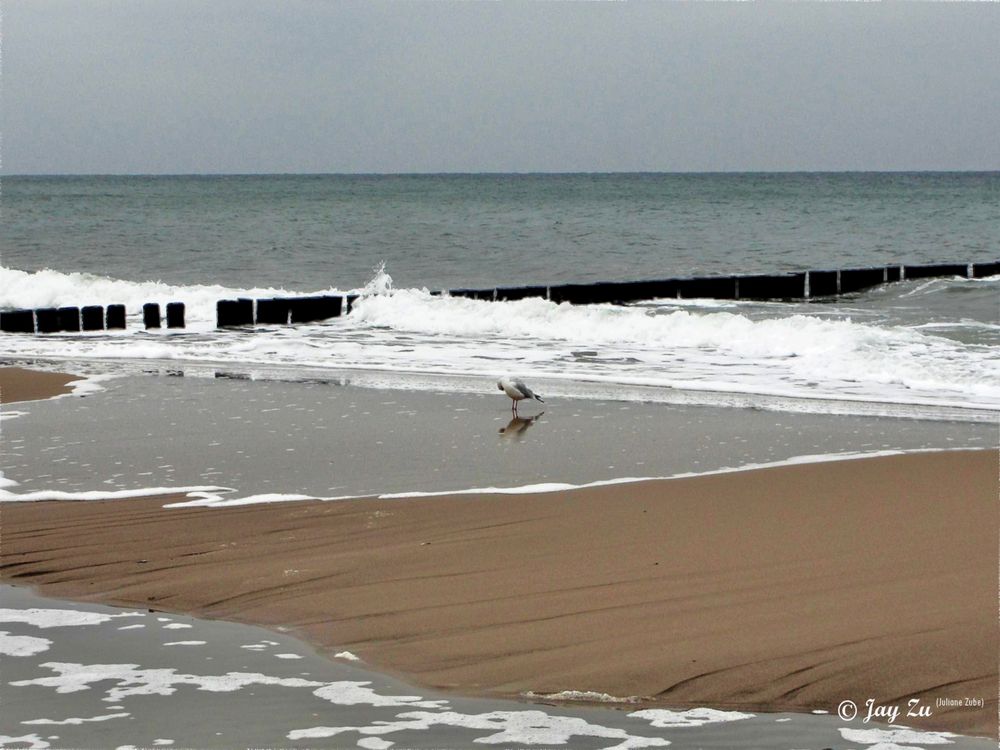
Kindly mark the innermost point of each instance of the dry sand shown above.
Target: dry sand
(791, 588)
(19, 384)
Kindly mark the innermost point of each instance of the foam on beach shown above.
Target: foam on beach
(76, 721)
(222, 497)
(32, 741)
(22, 645)
(132, 680)
(508, 728)
(350, 693)
(41, 495)
(584, 696)
(693, 717)
(214, 500)
(59, 618)
(896, 739)
(211, 499)
(545, 487)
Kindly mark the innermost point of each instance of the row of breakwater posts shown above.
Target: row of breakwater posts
(762, 287)
(88, 318)
(290, 310)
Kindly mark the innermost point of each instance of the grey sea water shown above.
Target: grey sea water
(304, 232)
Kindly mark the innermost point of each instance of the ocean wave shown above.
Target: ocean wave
(775, 350)
(680, 345)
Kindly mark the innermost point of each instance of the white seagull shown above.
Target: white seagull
(517, 390)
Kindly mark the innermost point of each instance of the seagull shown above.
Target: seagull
(517, 390)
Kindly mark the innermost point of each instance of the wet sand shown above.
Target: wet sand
(792, 588)
(20, 384)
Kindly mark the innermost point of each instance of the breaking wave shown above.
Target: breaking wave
(774, 349)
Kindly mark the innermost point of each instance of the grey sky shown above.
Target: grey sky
(175, 86)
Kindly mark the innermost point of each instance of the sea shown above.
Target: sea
(926, 349)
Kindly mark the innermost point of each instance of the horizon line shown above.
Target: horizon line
(509, 173)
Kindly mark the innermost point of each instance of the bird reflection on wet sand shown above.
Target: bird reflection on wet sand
(517, 426)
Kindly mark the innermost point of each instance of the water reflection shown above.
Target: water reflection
(517, 426)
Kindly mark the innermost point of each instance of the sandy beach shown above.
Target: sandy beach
(20, 384)
(791, 588)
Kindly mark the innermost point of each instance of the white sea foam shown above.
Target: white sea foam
(132, 680)
(185, 643)
(545, 487)
(211, 500)
(523, 489)
(86, 385)
(8, 496)
(812, 458)
(77, 721)
(346, 655)
(888, 739)
(28, 741)
(588, 696)
(22, 645)
(507, 728)
(218, 497)
(346, 693)
(59, 618)
(693, 717)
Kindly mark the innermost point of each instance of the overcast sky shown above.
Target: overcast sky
(240, 86)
